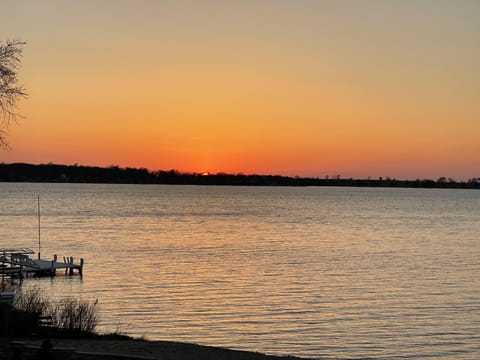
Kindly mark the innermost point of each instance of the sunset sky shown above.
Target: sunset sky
(298, 87)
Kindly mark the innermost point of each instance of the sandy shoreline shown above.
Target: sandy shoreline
(87, 349)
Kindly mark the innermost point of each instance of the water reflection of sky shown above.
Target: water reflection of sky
(338, 272)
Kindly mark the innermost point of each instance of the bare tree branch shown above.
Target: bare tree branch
(10, 91)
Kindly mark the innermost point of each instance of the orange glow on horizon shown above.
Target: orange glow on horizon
(307, 89)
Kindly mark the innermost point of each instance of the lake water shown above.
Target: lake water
(337, 273)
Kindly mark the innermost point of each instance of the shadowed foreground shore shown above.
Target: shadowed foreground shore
(89, 349)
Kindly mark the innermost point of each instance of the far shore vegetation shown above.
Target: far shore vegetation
(21, 172)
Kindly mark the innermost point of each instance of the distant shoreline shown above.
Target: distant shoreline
(54, 173)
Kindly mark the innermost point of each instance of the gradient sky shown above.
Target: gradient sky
(299, 87)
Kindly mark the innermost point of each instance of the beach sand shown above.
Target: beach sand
(89, 349)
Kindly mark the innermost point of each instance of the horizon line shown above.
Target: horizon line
(444, 179)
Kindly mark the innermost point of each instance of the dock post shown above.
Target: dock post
(53, 267)
(71, 266)
(80, 269)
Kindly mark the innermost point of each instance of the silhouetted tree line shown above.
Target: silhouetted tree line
(91, 174)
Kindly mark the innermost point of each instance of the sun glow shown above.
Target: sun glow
(309, 89)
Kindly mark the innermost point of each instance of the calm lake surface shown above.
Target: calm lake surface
(336, 273)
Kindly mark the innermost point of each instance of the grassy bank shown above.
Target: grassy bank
(34, 327)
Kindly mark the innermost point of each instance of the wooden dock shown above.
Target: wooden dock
(18, 263)
(50, 267)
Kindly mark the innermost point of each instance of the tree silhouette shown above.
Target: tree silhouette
(10, 91)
